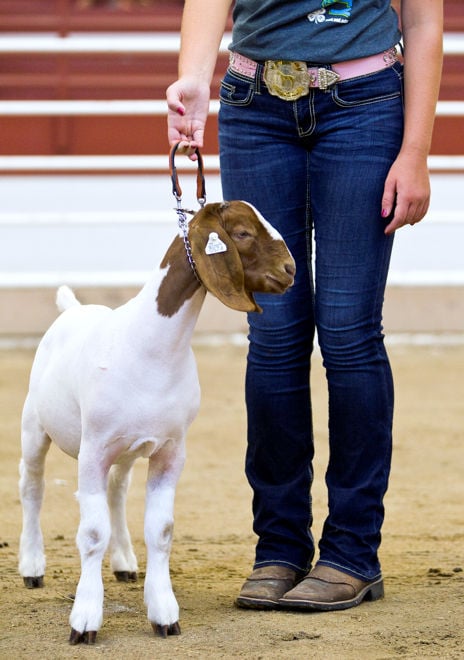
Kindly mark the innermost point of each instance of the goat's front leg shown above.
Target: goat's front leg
(123, 559)
(163, 473)
(92, 540)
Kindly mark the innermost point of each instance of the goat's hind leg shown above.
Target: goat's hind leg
(122, 557)
(35, 444)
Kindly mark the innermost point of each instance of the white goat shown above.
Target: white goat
(108, 386)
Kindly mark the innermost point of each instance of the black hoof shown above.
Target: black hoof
(125, 576)
(34, 582)
(87, 637)
(164, 631)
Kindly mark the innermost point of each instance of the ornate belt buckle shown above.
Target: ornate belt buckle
(326, 78)
(287, 80)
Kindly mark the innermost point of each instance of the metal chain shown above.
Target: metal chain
(182, 213)
(183, 225)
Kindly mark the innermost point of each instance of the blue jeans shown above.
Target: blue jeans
(318, 165)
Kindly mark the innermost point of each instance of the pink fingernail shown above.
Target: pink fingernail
(384, 213)
(180, 111)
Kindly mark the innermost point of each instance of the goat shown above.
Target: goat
(109, 386)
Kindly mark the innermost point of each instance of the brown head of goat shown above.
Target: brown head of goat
(255, 258)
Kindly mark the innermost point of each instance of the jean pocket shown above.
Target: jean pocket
(373, 88)
(236, 90)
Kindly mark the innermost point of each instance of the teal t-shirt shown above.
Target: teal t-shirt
(317, 31)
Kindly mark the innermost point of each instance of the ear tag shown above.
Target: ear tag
(214, 244)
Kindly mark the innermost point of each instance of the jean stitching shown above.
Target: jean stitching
(312, 114)
(372, 101)
(227, 89)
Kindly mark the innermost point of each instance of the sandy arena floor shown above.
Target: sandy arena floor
(423, 538)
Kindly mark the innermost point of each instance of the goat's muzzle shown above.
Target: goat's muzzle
(282, 280)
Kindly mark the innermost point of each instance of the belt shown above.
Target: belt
(290, 80)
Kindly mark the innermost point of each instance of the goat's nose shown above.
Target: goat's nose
(290, 269)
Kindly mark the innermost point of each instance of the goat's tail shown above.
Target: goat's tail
(65, 298)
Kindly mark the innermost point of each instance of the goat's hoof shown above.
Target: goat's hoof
(164, 631)
(125, 576)
(86, 637)
(34, 582)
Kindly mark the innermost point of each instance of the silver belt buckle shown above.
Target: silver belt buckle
(287, 80)
(325, 79)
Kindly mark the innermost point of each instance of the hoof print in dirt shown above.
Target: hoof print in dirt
(164, 631)
(87, 637)
(34, 582)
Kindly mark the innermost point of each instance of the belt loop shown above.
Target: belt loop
(258, 77)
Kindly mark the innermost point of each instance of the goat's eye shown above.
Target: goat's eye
(242, 234)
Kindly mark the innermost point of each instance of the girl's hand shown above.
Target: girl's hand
(407, 191)
(188, 106)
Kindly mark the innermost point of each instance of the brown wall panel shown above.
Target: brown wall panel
(112, 135)
(65, 16)
(97, 76)
(452, 82)
(448, 136)
(127, 136)
(91, 135)
(454, 15)
(23, 136)
(142, 135)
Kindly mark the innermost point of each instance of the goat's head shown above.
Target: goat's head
(253, 256)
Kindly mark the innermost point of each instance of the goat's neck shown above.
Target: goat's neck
(166, 309)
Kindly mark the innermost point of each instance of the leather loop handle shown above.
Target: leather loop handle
(176, 189)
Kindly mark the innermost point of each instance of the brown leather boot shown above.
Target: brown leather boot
(264, 587)
(326, 588)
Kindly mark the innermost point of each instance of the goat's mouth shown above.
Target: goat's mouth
(279, 284)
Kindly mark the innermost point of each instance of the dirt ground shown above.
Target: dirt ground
(421, 616)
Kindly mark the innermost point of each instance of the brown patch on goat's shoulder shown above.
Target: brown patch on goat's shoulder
(179, 284)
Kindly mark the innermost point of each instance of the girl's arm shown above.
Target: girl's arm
(407, 187)
(203, 24)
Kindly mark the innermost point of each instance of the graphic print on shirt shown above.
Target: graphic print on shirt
(332, 11)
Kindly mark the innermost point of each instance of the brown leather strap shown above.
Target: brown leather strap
(176, 189)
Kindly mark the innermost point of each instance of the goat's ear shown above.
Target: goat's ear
(221, 272)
